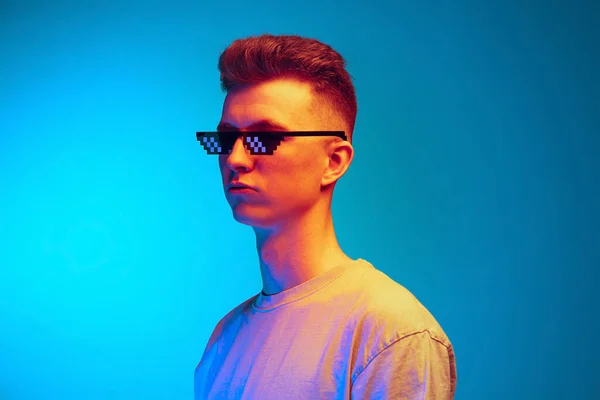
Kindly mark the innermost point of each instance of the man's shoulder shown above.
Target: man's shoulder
(388, 305)
(229, 321)
(225, 327)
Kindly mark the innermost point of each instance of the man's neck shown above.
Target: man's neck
(297, 253)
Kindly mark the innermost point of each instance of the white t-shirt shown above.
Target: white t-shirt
(351, 333)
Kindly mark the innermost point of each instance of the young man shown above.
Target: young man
(325, 326)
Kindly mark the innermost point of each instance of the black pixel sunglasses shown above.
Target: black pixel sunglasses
(257, 143)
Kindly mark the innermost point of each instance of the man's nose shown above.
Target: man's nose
(238, 145)
(238, 157)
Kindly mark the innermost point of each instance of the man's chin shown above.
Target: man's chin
(244, 221)
(254, 221)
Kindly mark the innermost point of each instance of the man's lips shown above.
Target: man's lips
(239, 185)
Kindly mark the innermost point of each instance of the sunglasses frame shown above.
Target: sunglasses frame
(272, 135)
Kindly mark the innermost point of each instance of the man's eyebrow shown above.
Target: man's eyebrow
(263, 125)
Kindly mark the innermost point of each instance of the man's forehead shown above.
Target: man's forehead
(280, 102)
(255, 116)
(273, 90)
(265, 124)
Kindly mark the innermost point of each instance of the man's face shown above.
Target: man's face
(287, 183)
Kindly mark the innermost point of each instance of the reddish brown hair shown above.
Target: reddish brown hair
(257, 59)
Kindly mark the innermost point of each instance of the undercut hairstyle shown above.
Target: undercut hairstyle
(259, 59)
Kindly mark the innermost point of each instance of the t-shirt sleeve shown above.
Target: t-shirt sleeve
(416, 367)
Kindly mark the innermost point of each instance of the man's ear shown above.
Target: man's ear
(341, 154)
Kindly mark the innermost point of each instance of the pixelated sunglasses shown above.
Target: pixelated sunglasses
(257, 143)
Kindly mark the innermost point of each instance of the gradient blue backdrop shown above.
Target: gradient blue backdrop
(475, 185)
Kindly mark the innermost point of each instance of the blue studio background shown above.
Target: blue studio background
(474, 185)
